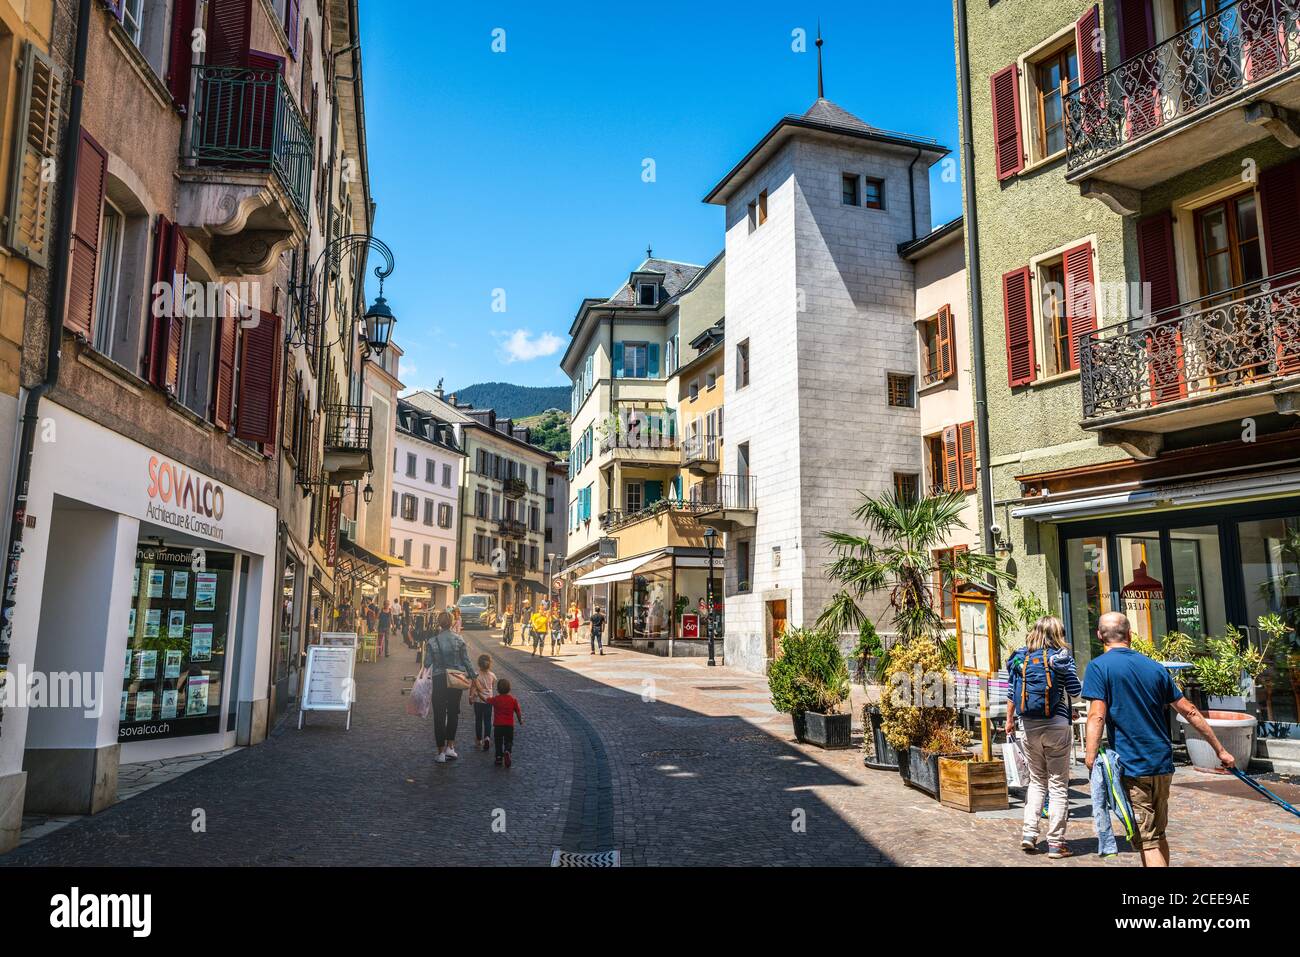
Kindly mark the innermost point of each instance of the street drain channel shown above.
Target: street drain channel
(670, 753)
(723, 688)
(579, 859)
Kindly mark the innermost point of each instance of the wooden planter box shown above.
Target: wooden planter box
(970, 785)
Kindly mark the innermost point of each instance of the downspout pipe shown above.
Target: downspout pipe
(911, 190)
(54, 320)
(975, 283)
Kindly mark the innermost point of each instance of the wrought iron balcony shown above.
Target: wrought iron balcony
(511, 528)
(347, 443)
(1234, 55)
(700, 453)
(515, 487)
(1207, 361)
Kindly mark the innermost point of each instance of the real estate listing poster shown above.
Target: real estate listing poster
(180, 584)
(196, 695)
(143, 705)
(152, 622)
(157, 578)
(148, 669)
(201, 642)
(176, 623)
(172, 665)
(169, 704)
(205, 591)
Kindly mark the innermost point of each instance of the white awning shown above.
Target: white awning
(617, 571)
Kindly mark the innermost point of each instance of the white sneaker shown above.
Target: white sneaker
(440, 758)
(450, 753)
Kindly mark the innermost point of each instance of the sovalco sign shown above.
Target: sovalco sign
(184, 499)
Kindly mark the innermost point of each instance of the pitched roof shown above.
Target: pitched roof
(677, 276)
(832, 114)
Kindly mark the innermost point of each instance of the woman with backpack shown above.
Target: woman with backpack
(1043, 678)
(447, 659)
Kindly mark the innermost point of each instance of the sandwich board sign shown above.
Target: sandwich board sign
(328, 682)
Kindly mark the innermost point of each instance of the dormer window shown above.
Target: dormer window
(647, 294)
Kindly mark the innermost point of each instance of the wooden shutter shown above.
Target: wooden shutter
(180, 57)
(1159, 273)
(1008, 150)
(947, 344)
(951, 460)
(155, 356)
(224, 393)
(1137, 29)
(1018, 309)
(87, 215)
(1279, 191)
(966, 452)
(229, 32)
(259, 373)
(180, 255)
(618, 360)
(291, 19)
(1088, 41)
(31, 193)
(1080, 297)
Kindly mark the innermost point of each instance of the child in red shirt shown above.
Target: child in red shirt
(505, 707)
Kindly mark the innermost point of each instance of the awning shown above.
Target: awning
(618, 571)
(527, 584)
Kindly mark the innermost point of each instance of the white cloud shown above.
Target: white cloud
(523, 346)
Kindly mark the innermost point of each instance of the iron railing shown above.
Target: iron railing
(1239, 338)
(247, 118)
(1239, 46)
(725, 491)
(347, 428)
(515, 487)
(616, 518)
(512, 528)
(640, 430)
(702, 448)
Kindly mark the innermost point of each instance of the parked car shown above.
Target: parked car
(477, 611)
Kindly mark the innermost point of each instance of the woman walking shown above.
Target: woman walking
(448, 662)
(575, 621)
(1043, 678)
(508, 629)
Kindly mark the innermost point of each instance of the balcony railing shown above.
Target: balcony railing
(515, 487)
(511, 528)
(725, 492)
(1239, 46)
(616, 518)
(347, 428)
(1241, 338)
(700, 449)
(247, 118)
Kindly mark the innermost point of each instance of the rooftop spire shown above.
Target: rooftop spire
(821, 89)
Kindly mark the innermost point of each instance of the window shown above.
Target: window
(935, 455)
(111, 231)
(646, 294)
(744, 568)
(634, 360)
(849, 188)
(428, 511)
(396, 499)
(430, 471)
(762, 207)
(907, 486)
(410, 508)
(197, 361)
(444, 515)
(410, 464)
(711, 379)
(442, 558)
(133, 19)
(532, 479)
(428, 549)
(930, 359)
(873, 193)
(1056, 323)
(952, 459)
(742, 364)
(943, 584)
(1227, 245)
(694, 389)
(446, 476)
(633, 496)
(900, 390)
(1054, 76)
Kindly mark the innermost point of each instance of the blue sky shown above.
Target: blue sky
(521, 171)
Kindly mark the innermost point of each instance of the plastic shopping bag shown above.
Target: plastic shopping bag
(420, 702)
(1015, 762)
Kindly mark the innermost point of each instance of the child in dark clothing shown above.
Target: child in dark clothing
(505, 708)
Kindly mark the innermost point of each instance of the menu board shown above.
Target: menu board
(178, 626)
(328, 680)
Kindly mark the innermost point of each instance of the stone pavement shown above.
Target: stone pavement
(668, 761)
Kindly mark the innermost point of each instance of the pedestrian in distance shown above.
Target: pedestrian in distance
(508, 626)
(480, 692)
(557, 629)
(447, 659)
(1043, 678)
(538, 625)
(1129, 696)
(505, 709)
(597, 627)
(575, 621)
(385, 623)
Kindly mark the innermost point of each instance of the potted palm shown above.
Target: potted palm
(810, 681)
(899, 558)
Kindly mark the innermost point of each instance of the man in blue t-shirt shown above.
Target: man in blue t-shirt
(1128, 695)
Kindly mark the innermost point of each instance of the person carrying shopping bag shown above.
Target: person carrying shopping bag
(1043, 678)
(447, 659)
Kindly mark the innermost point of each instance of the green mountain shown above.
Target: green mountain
(515, 401)
(550, 430)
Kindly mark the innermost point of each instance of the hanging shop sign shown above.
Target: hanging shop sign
(332, 531)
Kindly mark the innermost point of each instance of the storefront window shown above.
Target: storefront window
(1144, 591)
(1197, 581)
(1090, 586)
(176, 651)
(1270, 568)
(288, 619)
(692, 595)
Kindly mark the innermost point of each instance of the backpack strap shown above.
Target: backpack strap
(1024, 688)
(1047, 696)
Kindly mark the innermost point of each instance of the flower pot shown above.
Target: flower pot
(1235, 731)
(970, 785)
(800, 721)
(923, 769)
(828, 730)
(886, 756)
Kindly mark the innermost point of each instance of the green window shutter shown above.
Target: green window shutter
(30, 215)
(618, 360)
(654, 491)
(652, 360)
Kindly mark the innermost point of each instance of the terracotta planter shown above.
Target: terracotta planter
(1235, 731)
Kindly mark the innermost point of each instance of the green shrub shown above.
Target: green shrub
(809, 675)
(903, 722)
(1219, 670)
(869, 647)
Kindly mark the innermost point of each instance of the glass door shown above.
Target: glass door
(1143, 590)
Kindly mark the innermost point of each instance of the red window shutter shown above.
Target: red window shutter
(291, 19)
(966, 449)
(947, 344)
(180, 57)
(1279, 191)
(1158, 269)
(155, 356)
(1137, 29)
(1008, 151)
(259, 373)
(180, 257)
(951, 460)
(1088, 40)
(1080, 297)
(224, 394)
(87, 214)
(1261, 33)
(230, 24)
(1018, 308)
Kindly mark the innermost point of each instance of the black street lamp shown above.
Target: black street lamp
(709, 535)
(368, 493)
(377, 323)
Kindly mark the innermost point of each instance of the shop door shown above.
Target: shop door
(288, 625)
(776, 627)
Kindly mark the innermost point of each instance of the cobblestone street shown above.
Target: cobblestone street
(665, 760)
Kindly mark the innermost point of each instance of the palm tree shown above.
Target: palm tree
(898, 556)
